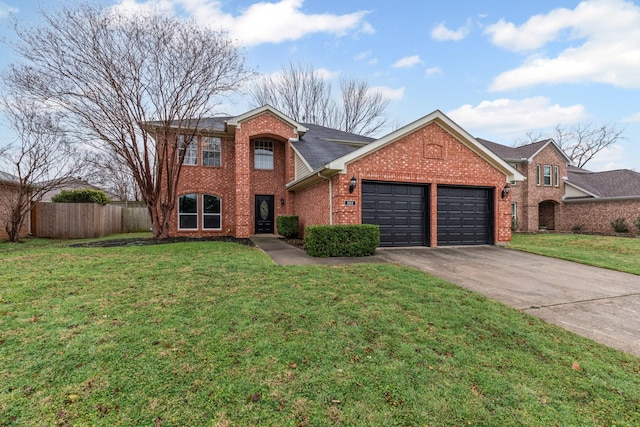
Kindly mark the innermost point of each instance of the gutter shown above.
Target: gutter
(602, 199)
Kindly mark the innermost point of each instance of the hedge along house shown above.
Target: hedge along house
(429, 183)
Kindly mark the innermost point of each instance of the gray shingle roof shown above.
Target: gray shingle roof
(615, 183)
(514, 153)
(320, 145)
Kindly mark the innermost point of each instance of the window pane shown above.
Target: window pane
(191, 155)
(212, 221)
(211, 148)
(547, 175)
(263, 154)
(188, 203)
(211, 204)
(188, 221)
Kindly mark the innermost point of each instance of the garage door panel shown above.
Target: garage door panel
(399, 210)
(464, 216)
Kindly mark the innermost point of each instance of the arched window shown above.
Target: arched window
(211, 212)
(188, 212)
(263, 154)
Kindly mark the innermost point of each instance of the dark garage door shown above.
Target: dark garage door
(399, 210)
(465, 216)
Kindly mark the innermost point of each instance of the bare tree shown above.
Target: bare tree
(300, 92)
(108, 171)
(39, 161)
(580, 142)
(130, 84)
(583, 141)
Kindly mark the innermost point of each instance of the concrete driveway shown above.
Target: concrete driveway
(593, 302)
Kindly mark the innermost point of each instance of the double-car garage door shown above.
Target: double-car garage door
(464, 214)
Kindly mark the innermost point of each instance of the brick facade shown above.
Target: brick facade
(7, 192)
(534, 199)
(428, 155)
(596, 216)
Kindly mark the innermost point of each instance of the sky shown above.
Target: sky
(501, 70)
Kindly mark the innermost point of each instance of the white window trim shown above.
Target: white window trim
(538, 175)
(191, 146)
(556, 178)
(211, 214)
(205, 143)
(544, 176)
(188, 214)
(255, 153)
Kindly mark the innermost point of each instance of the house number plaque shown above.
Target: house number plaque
(349, 202)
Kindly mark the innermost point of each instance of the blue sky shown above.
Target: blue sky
(500, 69)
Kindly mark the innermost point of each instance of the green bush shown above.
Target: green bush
(287, 225)
(84, 195)
(637, 224)
(341, 240)
(620, 225)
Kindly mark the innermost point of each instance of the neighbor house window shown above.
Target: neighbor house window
(211, 151)
(514, 211)
(211, 212)
(547, 175)
(188, 212)
(538, 179)
(263, 158)
(556, 179)
(191, 147)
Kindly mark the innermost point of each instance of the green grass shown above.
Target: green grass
(213, 333)
(615, 253)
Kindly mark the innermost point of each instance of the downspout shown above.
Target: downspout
(330, 198)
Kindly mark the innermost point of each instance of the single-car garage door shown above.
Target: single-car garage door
(399, 210)
(465, 216)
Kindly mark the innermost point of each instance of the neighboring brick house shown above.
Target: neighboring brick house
(561, 197)
(8, 187)
(429, 183)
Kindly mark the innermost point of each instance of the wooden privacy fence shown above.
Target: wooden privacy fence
(83, 220)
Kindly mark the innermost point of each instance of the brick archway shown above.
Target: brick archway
(547, 215)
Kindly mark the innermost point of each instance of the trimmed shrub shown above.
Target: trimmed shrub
(620, 225)
(341, 240)
(287, 225)
(84, 195)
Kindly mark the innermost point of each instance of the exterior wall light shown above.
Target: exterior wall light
(282, 201)
(352, 184)
(506, 190)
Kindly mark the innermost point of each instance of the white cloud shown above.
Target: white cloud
(407, 61)
(441, 33)
(635, 118)
(432, 71)
(389, 93)
(514, 117)
(601, 38)
(263, 22)
(6, 10)
(325, 74)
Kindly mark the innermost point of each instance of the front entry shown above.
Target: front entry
(264, 214)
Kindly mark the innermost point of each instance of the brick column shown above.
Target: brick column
(243, 185)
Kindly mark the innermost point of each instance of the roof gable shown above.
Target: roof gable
(446, 123)
(524, 152)
(237, 121)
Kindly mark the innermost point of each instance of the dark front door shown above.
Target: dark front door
(264, 214)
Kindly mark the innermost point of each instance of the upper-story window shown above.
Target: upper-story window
(211, 149)
(538, 175)
(191, 147)
(547, 175)
(263, 154)
(556, 176)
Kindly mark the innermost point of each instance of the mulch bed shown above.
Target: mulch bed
(152, 241)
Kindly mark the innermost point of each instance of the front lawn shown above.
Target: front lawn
(211, 333)
(615, 253)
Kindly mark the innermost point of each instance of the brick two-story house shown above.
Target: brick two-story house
(558, 196)
(428, 183)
